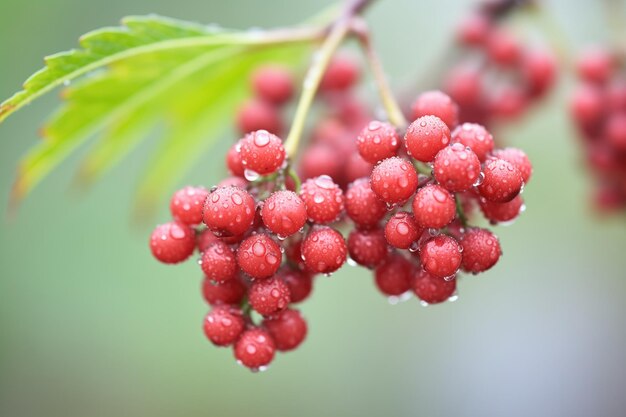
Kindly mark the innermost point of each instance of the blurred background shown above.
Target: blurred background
(91, 325)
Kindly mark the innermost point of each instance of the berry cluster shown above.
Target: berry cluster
(402, 198)
(496, 77)
(598, 107)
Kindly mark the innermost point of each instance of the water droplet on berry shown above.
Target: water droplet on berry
(258, 248)
(251, 175)
(176, 232)
(261, 138)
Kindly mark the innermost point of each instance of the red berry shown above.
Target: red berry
(323, 199)
(269, 296)
(518, 159)
(509, 102)
(481, 250)
(300, 283)
(539, 68)
(475, 137)
(503, 48)
(187, 204)
(587, 106)
(502, 181)
(262, 152)
(255, 348)
(502, 212)
(367, 247)
(239, 182)
(233, 160)
(324, 250)
(273, 84)
(393, 276)
(218, 262)
(229, 292)
(172, 242)
(595, 65)
(205, 239)
(288, 329)
(463, 84)
(318, 160)
(425, 137)
(616, 95)
(363, 205)
(441, 256)
(378, 141)
(223, 325)
(433, 207)
(456, 168)
(330, 131)
(229, 211)
(431, 289)
(258, 115)
(438, 104)
(394, 180)
(284, 213)
(474, 29)
(341, 74)
(356, 167)
(402, 230)
(615, 131)
(259, 256)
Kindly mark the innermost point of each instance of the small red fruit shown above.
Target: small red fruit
(273, 84)
(481, 250)
(393, 277)
(502, 181)
(323, 199)
(425, 137)
(402, 230)
(363, 205)
(259, 256)
(433, 207)
(394, 180)
(431, 289)
(172, 242)
(441, 256)
(229, 292)
(262, 152)
(475, 137)
(223, 325)
(324, 250)
(258, 115)
(255, 348)
(436, 103)
(367, 247)
(229, 211)
(284, 213)
(218, 262)
(288, 329)
(378, 141)
(269, 296)
(300, 283)
(456, 168)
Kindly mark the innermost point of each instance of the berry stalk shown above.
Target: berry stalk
(338, 32)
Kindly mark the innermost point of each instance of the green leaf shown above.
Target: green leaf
(152, 72)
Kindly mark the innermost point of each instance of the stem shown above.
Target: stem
(296, 179)
(338, 32)
(391, 106)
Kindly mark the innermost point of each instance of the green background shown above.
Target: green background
(90, 325)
